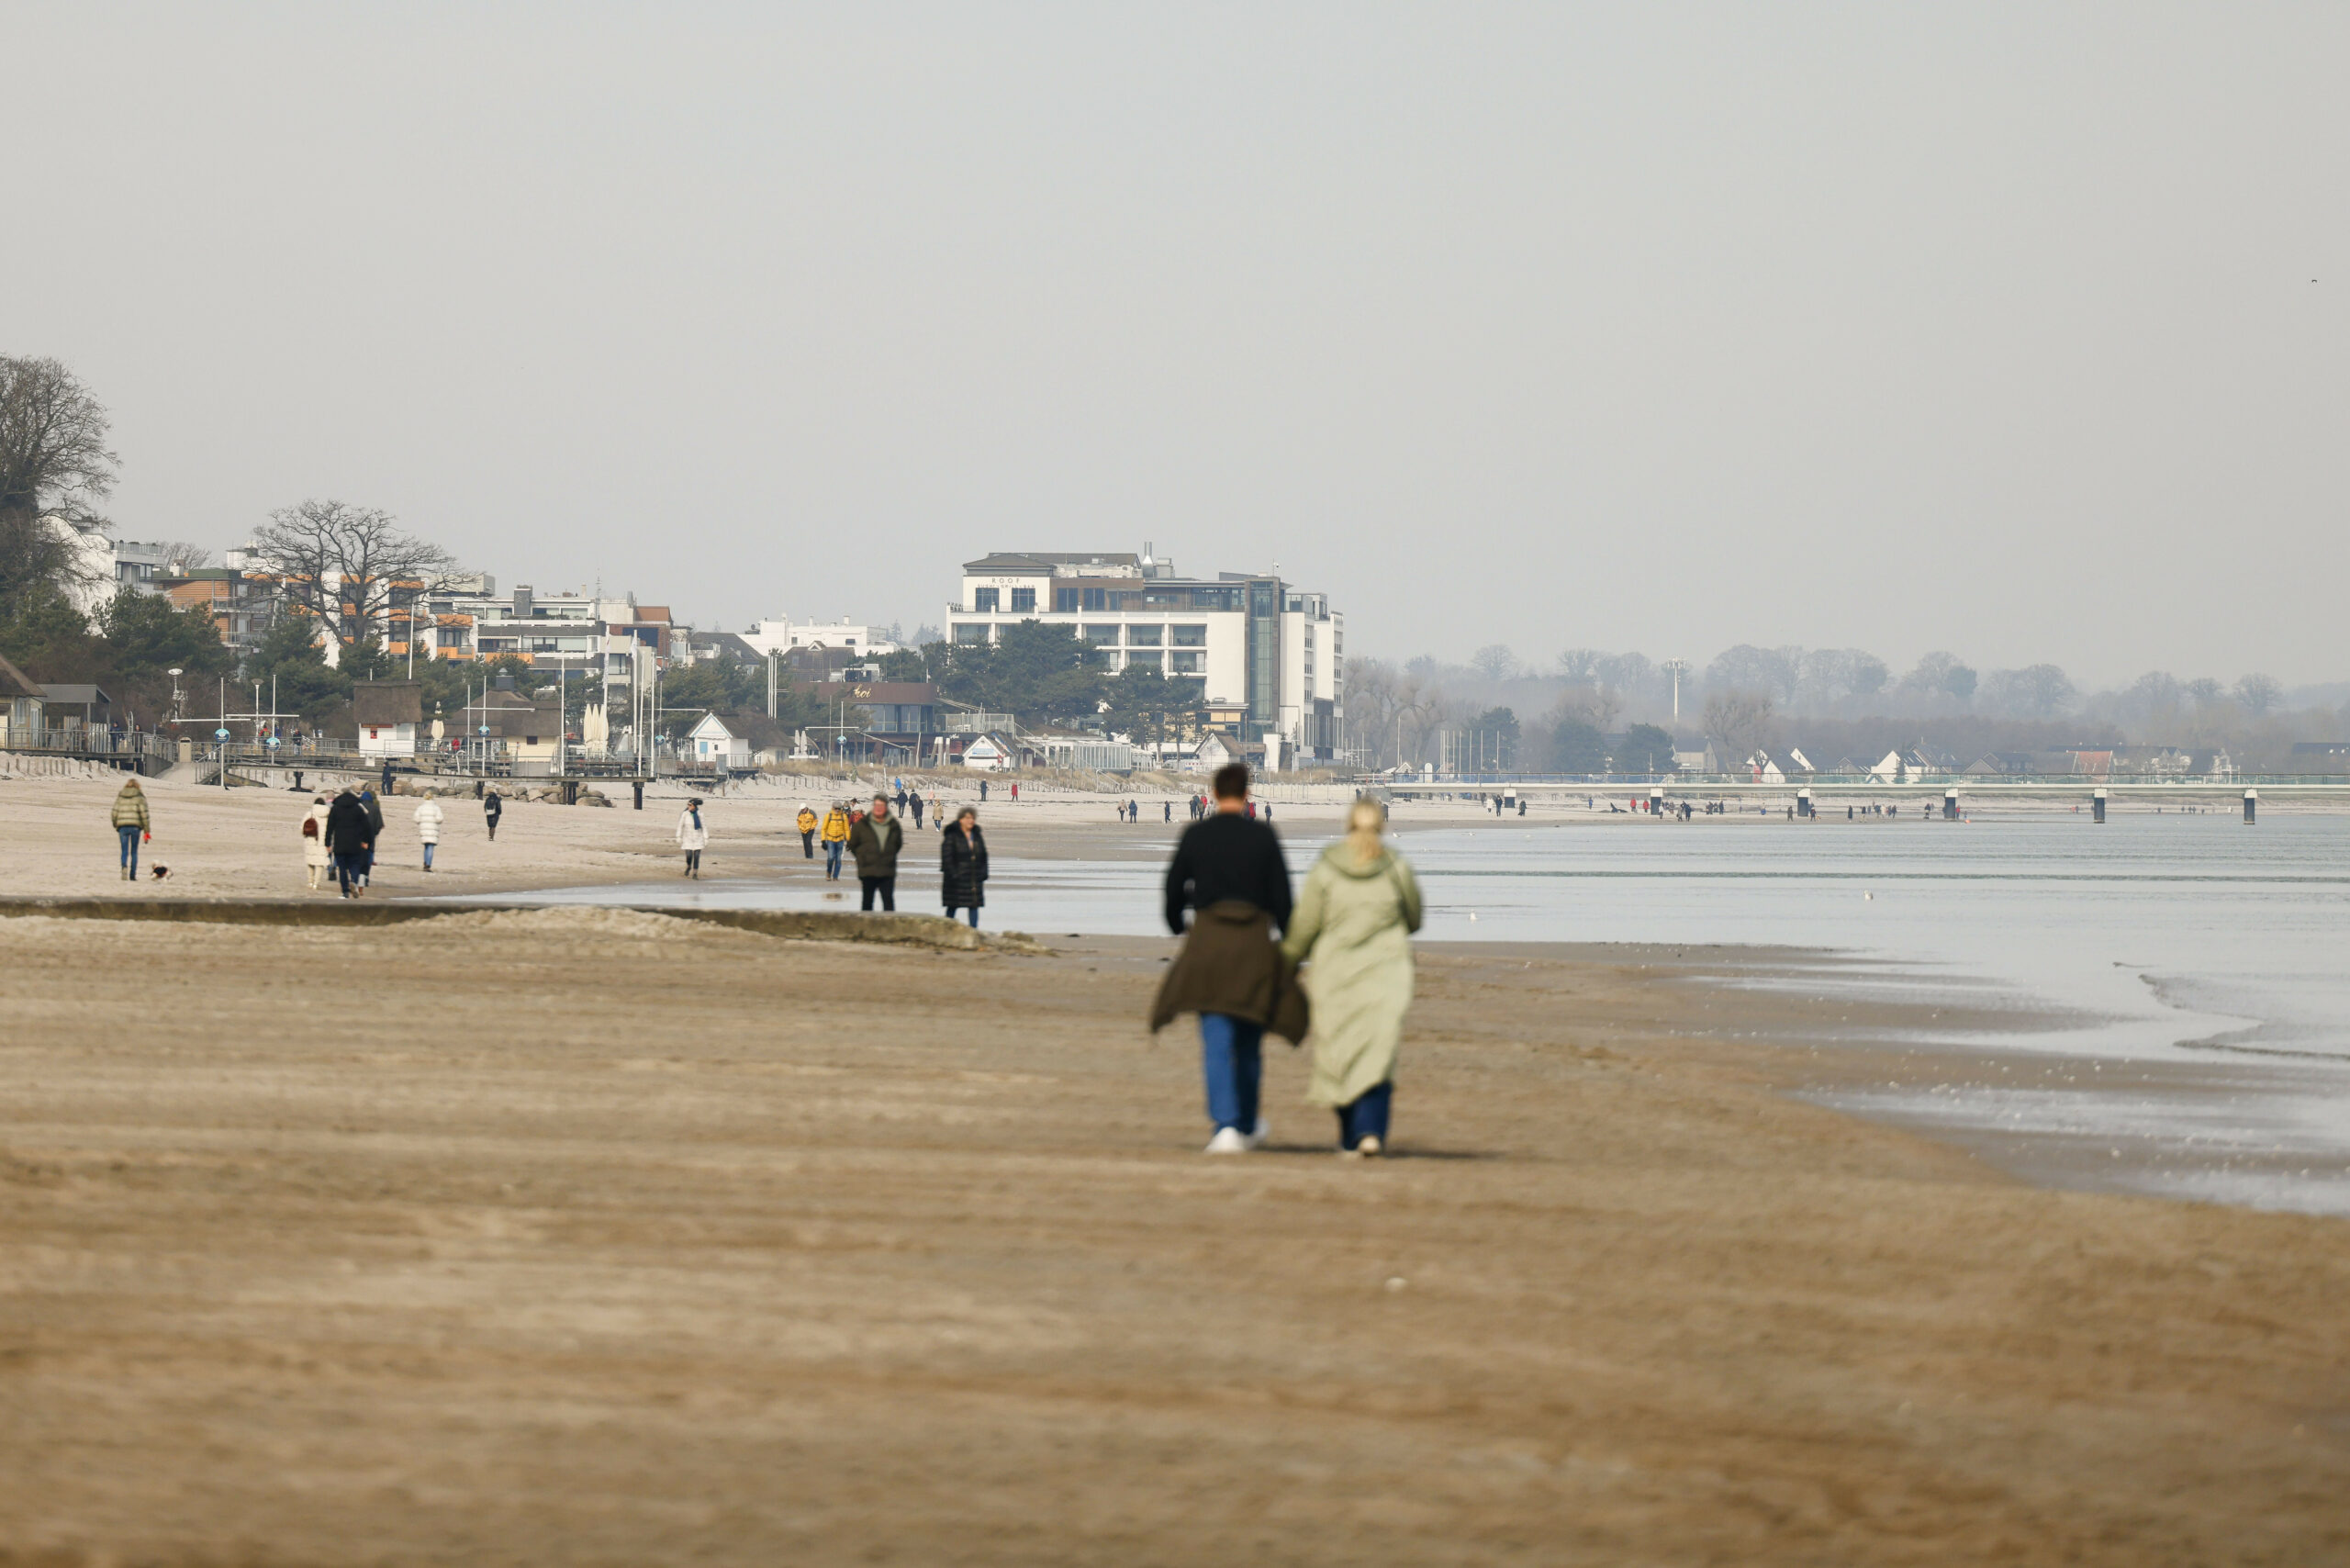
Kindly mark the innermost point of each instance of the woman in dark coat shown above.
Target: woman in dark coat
(963, 866)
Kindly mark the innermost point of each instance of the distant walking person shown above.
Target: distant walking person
(835, 839)
(693, 837)
(428, 817)
(1168, 811)
(875, 840)
(375, 831)
(491, 808)
(983, 791)
(1229, 870)
(963, 866)
(1355, 920)
(314, 841)
(806, 822)
(351, 840)
(130, 822)
(915, 803)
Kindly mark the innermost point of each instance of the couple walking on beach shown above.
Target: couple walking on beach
(1353, 923)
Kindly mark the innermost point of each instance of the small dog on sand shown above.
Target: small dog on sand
(160, 873)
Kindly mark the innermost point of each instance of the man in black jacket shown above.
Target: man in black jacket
(351, 840)
(875, 840)
(1232, 865)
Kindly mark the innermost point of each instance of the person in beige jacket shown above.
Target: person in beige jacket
(1353, 928)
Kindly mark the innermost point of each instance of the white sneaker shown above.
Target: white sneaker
(1228, 1140)
(1367, 1145)
(1264, 1130)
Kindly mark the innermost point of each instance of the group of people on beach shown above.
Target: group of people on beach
(1227, 892)
(343, 833)
(873, 835)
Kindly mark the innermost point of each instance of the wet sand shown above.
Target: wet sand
(587, 1236)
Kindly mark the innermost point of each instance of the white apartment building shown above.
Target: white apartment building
(1265, 649)
(787, 636)
(103, 565)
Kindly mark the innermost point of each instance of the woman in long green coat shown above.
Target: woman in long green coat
(1355, 921)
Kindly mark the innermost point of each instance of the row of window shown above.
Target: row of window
(1104, 634)
(1176, 663)
(1079, 601)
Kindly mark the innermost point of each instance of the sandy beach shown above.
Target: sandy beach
(591, 1236)
(594, 1235)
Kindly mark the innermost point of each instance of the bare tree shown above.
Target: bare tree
(1598, 706)
(181, 556)
(346, 564)
(2256, 694)
(55, 468)
(1495, 662)
(54, 460)
(1749, 669)
(1739, 723)
(1940, 674)
(2036, 691)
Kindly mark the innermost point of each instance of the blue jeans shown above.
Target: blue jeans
(130, 849)
(1367, 1117)
(428, 857)
(832, 847)
(973, 911)
(350, 867)
(1232, 1057)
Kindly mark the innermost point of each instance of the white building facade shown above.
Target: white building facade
(1257, 642)
(787, 636)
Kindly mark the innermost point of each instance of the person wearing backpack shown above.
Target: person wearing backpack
(314, 841)
(836, 826)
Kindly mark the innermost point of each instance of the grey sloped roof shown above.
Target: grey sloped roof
(14, 682)
(386, 702)
(1010, 562)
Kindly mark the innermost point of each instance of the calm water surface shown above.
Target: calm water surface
(2156, 938)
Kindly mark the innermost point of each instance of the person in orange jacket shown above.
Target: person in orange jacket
(835, 840)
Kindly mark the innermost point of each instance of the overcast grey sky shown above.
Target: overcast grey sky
(2019, 330)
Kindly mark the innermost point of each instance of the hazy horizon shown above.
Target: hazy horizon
(2014, 332)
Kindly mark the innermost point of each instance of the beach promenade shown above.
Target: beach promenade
(594, 1235)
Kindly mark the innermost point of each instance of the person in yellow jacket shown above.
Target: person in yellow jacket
(807, 824)
(835, 839)
(130, 822)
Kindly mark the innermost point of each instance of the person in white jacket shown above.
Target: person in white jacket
(314, 841)
(428, 826)
(692, 834)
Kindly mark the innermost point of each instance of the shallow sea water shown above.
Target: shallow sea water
(2153, 938)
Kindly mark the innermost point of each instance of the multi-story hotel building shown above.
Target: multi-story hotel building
(1269, 654)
